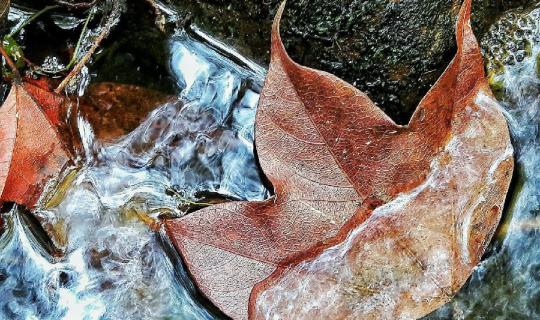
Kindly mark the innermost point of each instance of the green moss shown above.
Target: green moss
(497, 85)
(14, 50)
(538, 64)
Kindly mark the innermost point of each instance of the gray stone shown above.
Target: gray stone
(394, 50)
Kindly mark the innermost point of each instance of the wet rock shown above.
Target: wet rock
(392, 49)
(509, 41)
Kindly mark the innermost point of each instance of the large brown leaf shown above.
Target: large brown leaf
(370, 220)
(31, 151)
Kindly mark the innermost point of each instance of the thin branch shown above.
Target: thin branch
(84, 60)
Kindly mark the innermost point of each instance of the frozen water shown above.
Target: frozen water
(506, 285)
(116, 262)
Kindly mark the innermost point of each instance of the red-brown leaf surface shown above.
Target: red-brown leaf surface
(370, 220)
(31, 151)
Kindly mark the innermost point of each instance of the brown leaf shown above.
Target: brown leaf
(54, 106)
(370, 220)
(31, 151)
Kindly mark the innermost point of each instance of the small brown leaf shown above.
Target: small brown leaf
(31, 151)
(370, 220)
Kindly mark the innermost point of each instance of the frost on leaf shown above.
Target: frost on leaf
(31, 151)
(370, 220)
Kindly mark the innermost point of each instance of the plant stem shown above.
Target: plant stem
(79, 41)
(10, 63)
(32, 18)
(78, 67)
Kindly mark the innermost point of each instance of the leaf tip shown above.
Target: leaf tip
(277, 44)
(277, 18)
(465, 12)
(463, 21)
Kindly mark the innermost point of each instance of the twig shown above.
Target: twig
(78, 67)
(10, 63)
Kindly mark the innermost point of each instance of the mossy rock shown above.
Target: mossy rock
(394, 50)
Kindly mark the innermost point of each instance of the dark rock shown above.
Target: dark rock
(4, 10)
(394, 50)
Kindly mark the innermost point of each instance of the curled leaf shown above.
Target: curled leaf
(370, 220)
(31, 150)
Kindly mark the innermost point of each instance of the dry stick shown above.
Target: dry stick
(73, 73)
(11, 64)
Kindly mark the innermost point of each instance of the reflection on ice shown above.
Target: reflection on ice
(116, 263)
(506, 285)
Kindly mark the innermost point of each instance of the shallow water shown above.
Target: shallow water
(506, 285)
(116, 263)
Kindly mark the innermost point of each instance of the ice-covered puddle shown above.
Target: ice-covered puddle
(506, 285)
(116, 262)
